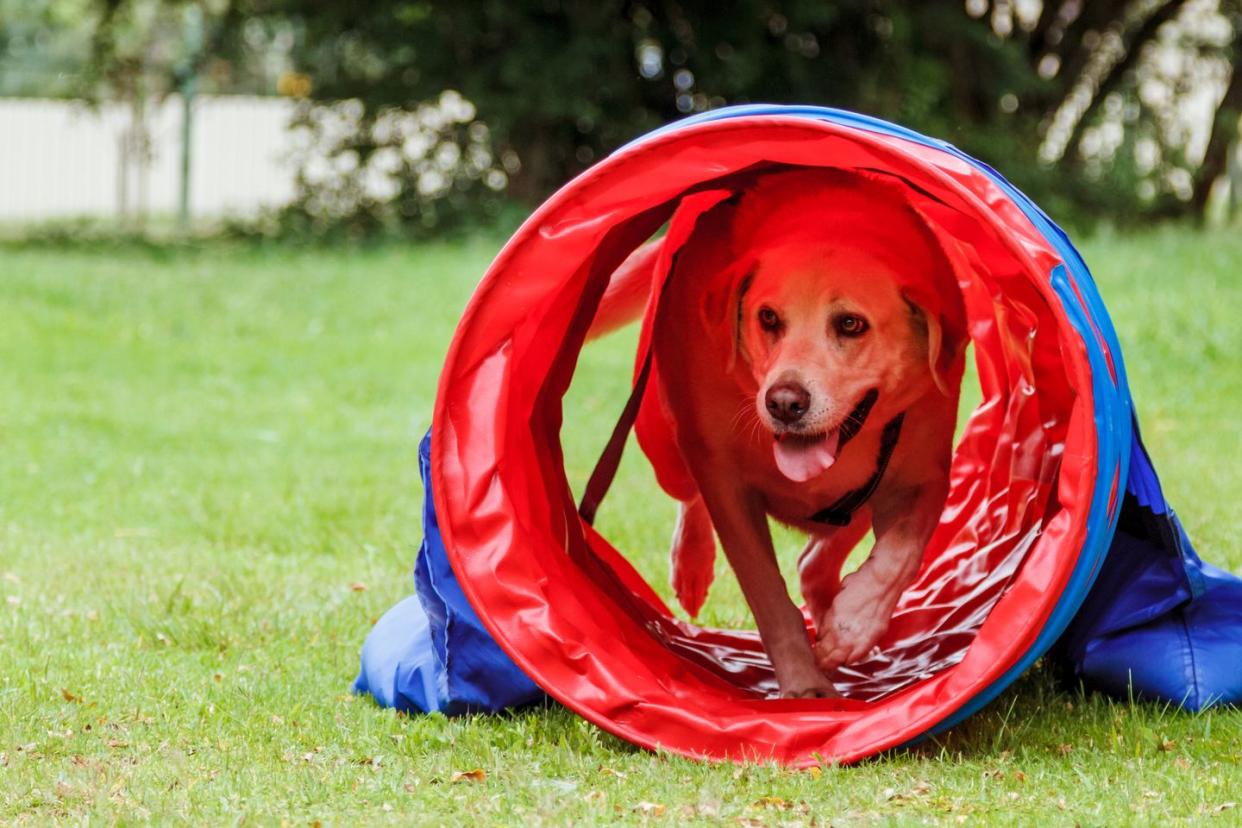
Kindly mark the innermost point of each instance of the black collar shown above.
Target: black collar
(842, 511)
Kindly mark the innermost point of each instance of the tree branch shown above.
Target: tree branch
(1118, 71)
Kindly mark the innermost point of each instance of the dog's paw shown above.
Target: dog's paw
(846, 634)
(822, 690)
(691, 581)
(806, 683)
(693, 557)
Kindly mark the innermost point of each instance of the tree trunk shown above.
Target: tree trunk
(1133, 49)
(1224, 133)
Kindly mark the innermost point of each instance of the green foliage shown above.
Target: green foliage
(560, 84)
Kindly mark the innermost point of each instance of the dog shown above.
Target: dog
(807, 355)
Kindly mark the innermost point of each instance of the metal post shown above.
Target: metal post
(193, 32)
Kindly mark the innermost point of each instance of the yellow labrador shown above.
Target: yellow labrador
(810, 369)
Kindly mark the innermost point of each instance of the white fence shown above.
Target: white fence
(65, 159)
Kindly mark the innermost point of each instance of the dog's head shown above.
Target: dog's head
(831, 305)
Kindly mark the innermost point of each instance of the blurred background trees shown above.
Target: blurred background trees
(418, 112)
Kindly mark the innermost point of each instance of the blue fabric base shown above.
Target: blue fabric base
(431, 652)
(1159, 624)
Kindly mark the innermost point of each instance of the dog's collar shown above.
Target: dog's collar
(842, 510)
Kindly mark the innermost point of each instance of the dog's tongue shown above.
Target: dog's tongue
(801, 461)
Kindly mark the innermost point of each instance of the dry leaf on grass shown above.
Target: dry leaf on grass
(772, 802)
(358, 586)
(475, 775)
(70, 696)
(652, 808)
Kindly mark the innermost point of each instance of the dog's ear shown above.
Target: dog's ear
(721, 311)
(943, 347)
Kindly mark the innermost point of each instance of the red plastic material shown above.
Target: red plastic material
(573, 613)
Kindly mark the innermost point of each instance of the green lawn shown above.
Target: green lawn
(208, 492)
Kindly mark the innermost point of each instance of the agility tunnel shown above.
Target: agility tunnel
(1056, 538)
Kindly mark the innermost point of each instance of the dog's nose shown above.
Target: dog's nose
(787, 402)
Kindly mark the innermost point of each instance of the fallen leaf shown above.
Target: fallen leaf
(920, 788)
(653, 808)
(1065, 749)
(772, 802)
(358, 586)
(606, 771)
(117, 743)
(1019, 776)
(475, 775)
(1224, 806)
(596, 796)
(1165, 745)
(70, 696)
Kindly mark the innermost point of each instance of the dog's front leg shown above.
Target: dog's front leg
(904, 519)
(819, 565)
(742, 524)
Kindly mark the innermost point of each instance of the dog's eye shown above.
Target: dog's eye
(850, 324)
(768, 320)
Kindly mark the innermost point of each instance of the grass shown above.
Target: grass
(208, 492)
